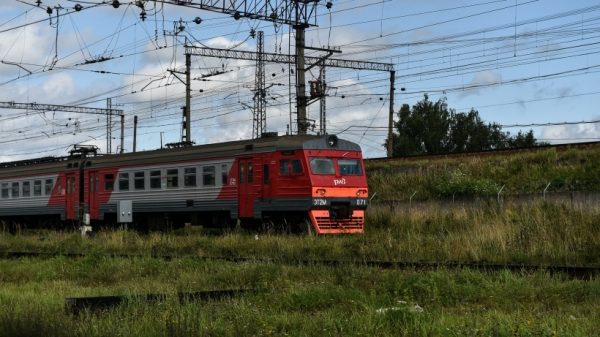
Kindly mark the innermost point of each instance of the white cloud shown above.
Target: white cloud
(482, 78)
(57, 87)
(571, 133)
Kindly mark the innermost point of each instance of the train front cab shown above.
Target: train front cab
(339, 190)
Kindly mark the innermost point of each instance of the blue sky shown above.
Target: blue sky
(517, 62)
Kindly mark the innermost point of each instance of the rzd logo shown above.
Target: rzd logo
(337, 182)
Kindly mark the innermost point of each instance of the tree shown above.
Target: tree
(431, 128)
(422, 129)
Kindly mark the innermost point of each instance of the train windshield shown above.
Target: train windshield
(322, 165)
(349, 167)
(345, 167)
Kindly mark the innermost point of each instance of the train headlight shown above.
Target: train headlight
(361, 193)
(321, 191)
(332, 140)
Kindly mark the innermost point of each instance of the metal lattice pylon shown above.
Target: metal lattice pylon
(260, 95)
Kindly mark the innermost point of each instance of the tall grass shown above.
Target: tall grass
(522, 173)
(541, 233)
(532, 233)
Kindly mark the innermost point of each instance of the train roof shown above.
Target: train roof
(215, 150)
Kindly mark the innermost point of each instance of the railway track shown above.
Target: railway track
(576, 272)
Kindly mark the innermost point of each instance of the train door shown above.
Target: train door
(72, 196)
(247, 194)
(93, 190)
(266, 178)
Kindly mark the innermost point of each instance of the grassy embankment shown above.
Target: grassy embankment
(521, 173)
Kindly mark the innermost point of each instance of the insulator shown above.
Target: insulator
(197, 20)
(237, 15)
(78, 7)
(143, 15)
(38, 3)
(329, 4)
(116, 4)
(49, 10)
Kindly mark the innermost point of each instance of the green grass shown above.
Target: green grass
(540, 233)
(475, 176)
(294, 301)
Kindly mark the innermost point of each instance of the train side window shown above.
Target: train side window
(15, 190)
(5, 189)
(139, 180)
(70, 185)
(208, 176)
(91, 184)
(250, 172)
(242, 173)
(26, 189)
(266, 178)
(290, 167)
(48, 186)
(189, 177)
(155, 179)
(109, 182)
(172, 178)
(296, 166)
(123, 181)
(224, 172)
(37, 188)
(284, 167)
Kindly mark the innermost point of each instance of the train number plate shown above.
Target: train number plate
(319, 202)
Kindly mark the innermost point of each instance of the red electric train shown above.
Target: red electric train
(300, 183)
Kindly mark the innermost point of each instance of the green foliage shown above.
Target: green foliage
(432, 128)
(460, 184)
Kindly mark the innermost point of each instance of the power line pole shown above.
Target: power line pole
(301, 118)
(122, 133)
(135, 123)
(323, 103)
(390, 140)
(108, 127)
(187, 122)
(260, 105)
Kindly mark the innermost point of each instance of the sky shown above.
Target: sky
(523, 64)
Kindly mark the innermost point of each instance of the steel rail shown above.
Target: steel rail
(577, 272)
